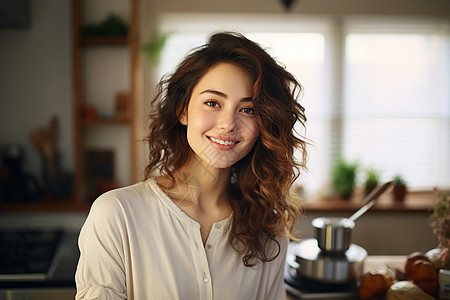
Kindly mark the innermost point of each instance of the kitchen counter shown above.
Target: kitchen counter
(373, 262)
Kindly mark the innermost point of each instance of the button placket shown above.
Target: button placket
(201, 265)
(212, 235)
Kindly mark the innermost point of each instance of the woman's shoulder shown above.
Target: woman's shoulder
(132, 196)
(123, 210)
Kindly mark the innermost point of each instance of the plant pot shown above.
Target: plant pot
(369, 187)
(346, 196)
(399, 192)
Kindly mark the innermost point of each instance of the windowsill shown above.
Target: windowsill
(414, 202)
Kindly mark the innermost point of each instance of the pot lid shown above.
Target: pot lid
(324, 222)
(309, 250)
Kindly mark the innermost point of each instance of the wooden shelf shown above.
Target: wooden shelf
(105, 122)
(414, 202)
(104, 41)
(79, 203)
(48, 204)
(84, 67)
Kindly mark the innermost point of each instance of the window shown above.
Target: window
(396, 105)
(374, 95)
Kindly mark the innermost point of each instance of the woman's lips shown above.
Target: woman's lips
(223, 143)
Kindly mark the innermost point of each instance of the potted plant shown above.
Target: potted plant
(399, 188)
(440, 222)
(154, 47)
(344, 178)
(372, 180)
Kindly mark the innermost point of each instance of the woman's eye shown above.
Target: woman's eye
(248, 110)
(212, 103)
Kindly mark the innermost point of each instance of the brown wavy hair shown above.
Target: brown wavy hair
(262, 205)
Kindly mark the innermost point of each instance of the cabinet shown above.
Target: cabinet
(104, 75)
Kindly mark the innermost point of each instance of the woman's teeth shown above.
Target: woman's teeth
(221, 142)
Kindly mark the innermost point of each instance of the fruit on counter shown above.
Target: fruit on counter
(374, 284)
(433, 256)
(423, 274)
(410, 259)
(406, 290)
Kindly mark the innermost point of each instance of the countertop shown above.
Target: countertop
(372, 262)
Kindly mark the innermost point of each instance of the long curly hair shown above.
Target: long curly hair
(263, 207)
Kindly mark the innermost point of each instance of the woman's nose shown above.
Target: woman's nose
(227, 121)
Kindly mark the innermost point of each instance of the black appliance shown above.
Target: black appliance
(15, 184)
(37, 263)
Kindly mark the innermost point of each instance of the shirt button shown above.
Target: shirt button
(205, 278)
(218, 226)
(209, 246)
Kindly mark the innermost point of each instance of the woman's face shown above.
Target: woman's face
(221, 126)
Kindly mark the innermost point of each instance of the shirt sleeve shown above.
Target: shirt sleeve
(275, 273)
(101, 270)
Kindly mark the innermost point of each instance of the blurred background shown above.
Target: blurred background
(77, 78)
(375, 78)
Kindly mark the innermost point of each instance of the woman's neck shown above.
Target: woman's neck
(199, 184)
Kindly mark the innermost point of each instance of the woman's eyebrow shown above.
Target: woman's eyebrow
(223, 95)
(215, 92)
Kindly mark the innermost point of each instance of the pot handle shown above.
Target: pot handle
(290, 259)
(370, 200)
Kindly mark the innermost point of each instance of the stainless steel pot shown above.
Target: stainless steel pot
(332, 258)
(334, 235)
(308, 261)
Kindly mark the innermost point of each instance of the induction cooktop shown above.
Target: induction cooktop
(30, 255)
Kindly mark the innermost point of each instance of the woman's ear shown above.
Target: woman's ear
(183, 118)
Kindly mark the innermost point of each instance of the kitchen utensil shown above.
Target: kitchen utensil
(310, 262)
(334, 234)
(370, 200)
(332, 258)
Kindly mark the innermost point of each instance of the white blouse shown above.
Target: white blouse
(138, 244)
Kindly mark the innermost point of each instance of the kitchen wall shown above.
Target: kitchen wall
(35, 80)
(35, 83)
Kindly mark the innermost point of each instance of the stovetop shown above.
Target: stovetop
(27, 254)
(304, 288)
(37, 257)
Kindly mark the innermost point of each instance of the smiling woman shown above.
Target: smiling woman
(213, 217)
(221, 127)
